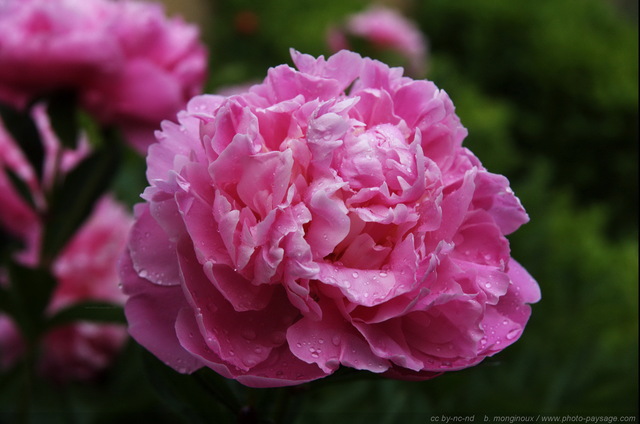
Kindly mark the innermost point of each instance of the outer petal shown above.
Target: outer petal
(280, 369)
(151, 312)
(331, 342)
(158, 264)
(243, 339)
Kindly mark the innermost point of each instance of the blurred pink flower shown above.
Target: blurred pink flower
(129, 64)
(327, 217)
(86, 269)
(383, 29)
(17, 217)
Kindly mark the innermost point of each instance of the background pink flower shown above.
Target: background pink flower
(17, 217)
(327, 217)
(85, 270)
(128, 63)
(383, 29)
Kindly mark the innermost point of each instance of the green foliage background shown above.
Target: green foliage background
(549, 92)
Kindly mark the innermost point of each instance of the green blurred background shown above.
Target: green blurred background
(549, 92)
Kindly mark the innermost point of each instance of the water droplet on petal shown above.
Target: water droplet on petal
(355, 274)
(383, 274)
(513, 334)
(335, 340)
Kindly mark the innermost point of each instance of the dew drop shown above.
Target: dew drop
(321, 341)
(347, 283)
(298, 344)
(383, 274)
(335, 340)
(355, 274)
(513, 334)
(488, 285)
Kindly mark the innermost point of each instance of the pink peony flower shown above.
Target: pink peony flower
(129, 64)
(327, 217)
(384, 29)
(85, 270)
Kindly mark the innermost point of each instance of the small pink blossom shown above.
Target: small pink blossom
(384, 29)
(128, 63)
(327, 217)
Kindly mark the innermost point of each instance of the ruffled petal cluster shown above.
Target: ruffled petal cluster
(128, 63)
(327, 217)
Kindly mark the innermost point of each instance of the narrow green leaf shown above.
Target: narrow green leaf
(25, 132)
(21, 187)
(9, 244)
(29, 294)
(74, 198)
(5, 301)
(64, 117)
(93, 311)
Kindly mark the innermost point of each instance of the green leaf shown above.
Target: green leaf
(73, 200)
(8, 245)
(5, 301)
(93, 311)
(28, 296)
(64, 118)
(21, 187)
(25, 132)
